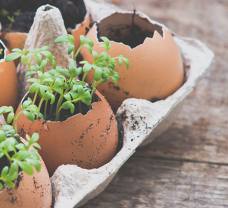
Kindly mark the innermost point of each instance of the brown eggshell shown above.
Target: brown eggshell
(81, 29)
(8, 83)
(116, 1)
(156, 68)
(15, 39)
(31, 192)
(88, 140)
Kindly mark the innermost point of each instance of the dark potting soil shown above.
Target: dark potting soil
(18, 15)
(65, 114)
(129, 34)
(134, 37)
(3, 162)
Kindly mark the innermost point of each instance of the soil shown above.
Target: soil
(3, 162)
(131, 34)
(120, 134)
(65, 114)
(18, 15)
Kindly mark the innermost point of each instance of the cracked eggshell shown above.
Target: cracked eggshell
(15, 39)
(31, 191)
(8, 79)
(116, 1)
(88, 141)
(156, 67)
(81, 29)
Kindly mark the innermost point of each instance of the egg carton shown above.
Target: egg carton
(141, 120)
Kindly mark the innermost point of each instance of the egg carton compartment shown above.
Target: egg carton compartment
(141, 120)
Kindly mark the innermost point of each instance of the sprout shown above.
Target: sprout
(60, 89)
(17, 157)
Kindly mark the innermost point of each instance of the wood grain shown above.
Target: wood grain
(156, 183)
(188, 165)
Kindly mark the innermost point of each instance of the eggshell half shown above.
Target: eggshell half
(88, 140)
(116, 1)
(31, 192)
(81, 29)
(15, 39)
(8, 82)
(156, 67)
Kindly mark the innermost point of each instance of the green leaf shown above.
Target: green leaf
(13, 172)
(13, 56)
(27, 103)
(71, 39)
(72, 68)
(97, 74)
(120, 59)
(25, 59)
(85, 41)
(38, 58)
(78, 71)
(29, 115)
(106, 43)
(2, 135)
(35, 137)
(126, 61)
(82, 39)
(37, 146)
(20, 146)
(21, 156)
(17, 50)
(115, 77)
(27, 168)
(5, 109)
(67, 105)
(10, 118)
(70, 49)
(1, 186)
(62, 39)
(87, 67)
(5, 171)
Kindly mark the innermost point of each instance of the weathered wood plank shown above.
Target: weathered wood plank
(188, 165)
(145, 183)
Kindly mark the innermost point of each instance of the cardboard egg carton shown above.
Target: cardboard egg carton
(142, 120)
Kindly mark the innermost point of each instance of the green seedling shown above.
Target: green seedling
(57, 90)
(16, 156)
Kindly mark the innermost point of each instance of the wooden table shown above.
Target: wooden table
(187, 167)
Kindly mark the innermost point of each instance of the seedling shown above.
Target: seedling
(16, 156)
(59, 90)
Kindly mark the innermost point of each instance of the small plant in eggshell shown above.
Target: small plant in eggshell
(16, 156)
(59, 91)
(73, 119)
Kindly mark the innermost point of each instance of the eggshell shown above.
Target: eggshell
(156, 67)
(81, 29)
(88, 140)
(31, 192)
(116, 1)
(15, 39)
(8, 82)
